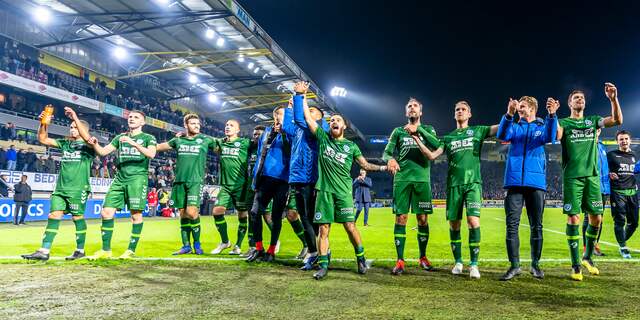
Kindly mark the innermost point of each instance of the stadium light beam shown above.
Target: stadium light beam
(220, 42)
(210, 34)
(338, 92)
(120, 53)
(256, 70)
(193, 79)
(212, 98)
(42, 15)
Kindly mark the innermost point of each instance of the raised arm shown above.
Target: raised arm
(505, 128)
(311, 122)
(616, 112)
(551, 123)
(287, 122)
(43, 136)
(364, 164)
(431, 155)
(82, 130)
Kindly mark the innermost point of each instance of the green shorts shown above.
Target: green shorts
(414, 197)
(132, 193)
(331, 207)
(186, 194)
(232, 197)
(466, 195)
(74, 204)
(582, 195)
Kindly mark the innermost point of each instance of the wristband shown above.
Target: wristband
(383, 168)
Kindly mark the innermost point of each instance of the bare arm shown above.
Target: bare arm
(100, 150)
(493, 130)
(364, 164)
(82, 130)
(431, 155)
(616, 112)
(149, 152)
(43, 137)
(163, 147)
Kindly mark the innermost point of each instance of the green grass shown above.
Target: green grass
(205, 288)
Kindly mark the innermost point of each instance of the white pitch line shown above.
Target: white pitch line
(564, 233)
(337, 259)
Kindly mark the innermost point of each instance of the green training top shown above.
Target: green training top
(335, 157)
(131, 163)
(580, 146)
(233, 160)
(414, 166)
(192, 157)
(75, 166)
(463, 148)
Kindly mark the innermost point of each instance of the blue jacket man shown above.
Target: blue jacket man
(525, 175)
(303, 168)
(362, 195)
(270, 180)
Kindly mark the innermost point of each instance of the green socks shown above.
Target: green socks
(221, 225)
(423, 239)
(107, 233)
(136, 230)
(474, 245)
(359, 249)
(591, 235)
(399, 237)
(185, 231)
(456, 245)
(298, 229)
(242, 230)
(50, 233)
(573, 238)
(323, 261)
(195, 229)
(81, 233)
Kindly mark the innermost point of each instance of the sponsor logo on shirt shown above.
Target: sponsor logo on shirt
(337, 156)
(579, 134)
(459, 145)
(187, 149)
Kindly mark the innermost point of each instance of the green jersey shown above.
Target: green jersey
(463, 147)
(192, 157)
(233, 161)
(131, 163)
(335, 157)
(580, 146)
(414, 166)
(75, 166)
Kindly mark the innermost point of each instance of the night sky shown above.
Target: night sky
(385, 51)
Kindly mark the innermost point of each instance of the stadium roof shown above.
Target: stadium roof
(209, 51)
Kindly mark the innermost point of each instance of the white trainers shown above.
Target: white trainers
(474, 272)
(221, 247)
(302, 254)
(236, 251)
(277, 247)
(457, 268)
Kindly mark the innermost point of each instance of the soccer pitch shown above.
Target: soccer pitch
(158, 285)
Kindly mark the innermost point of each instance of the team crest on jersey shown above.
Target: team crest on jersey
(237, 144)
(469, 132)
(537, 134)
(318, 215)
(139, 141)
(588, 122)
(567, 207)
(346, 148)
(198, 141)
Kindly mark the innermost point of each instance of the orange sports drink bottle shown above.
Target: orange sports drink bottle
(47, 114)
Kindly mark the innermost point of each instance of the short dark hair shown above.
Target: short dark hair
(576, 91)
(320, 110)
(259, 127)
(139, 112)
(24, 176)
(621, 132)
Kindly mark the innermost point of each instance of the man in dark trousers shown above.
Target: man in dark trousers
(525, 175)
(21, 197)
(361, 186)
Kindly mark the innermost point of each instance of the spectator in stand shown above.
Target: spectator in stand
(12, 158)
(50, 165)
(30, 160)
(21, 197)
(4, 186)
(3, 158)
(152, 201)
(9, 132)
(22, 157)
(163, 198)
(40, 165)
